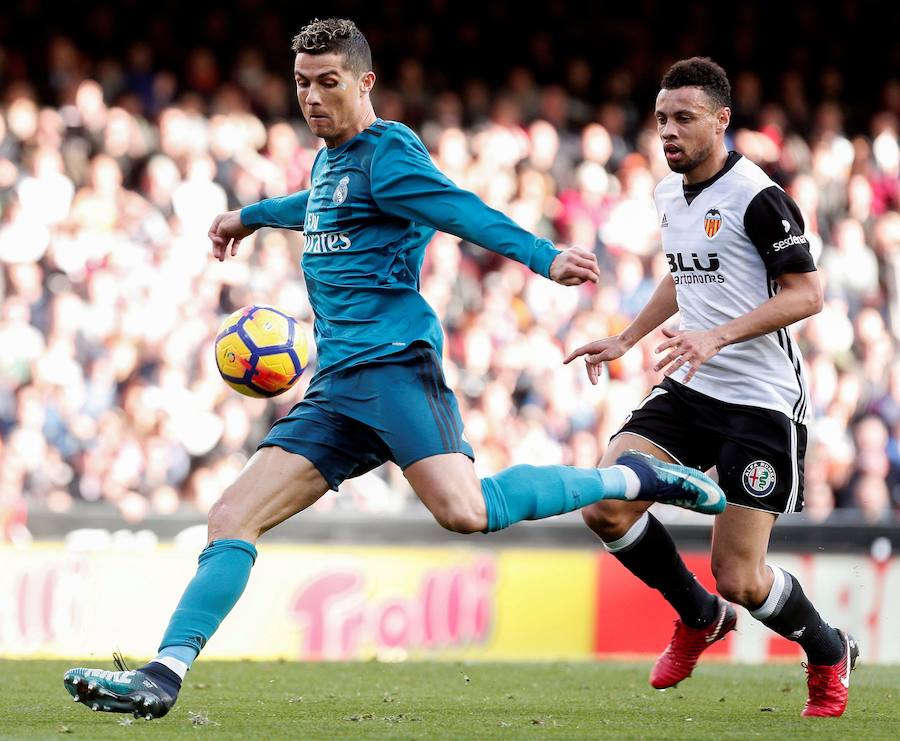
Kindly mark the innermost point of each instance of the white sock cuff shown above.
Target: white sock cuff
(632, 482)
(631, 537)
(778, 594)
(179, 667)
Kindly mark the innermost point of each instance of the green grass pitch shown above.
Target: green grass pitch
(424, 700)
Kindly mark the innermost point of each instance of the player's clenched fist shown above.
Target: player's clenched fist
(574, 266)
(227, 230)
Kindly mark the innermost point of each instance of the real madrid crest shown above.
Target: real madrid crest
(712, 222)
(340, 193)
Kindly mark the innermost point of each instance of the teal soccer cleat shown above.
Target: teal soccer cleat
(670, 483)
(123, 691)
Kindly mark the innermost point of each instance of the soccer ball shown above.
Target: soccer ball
(261, 351)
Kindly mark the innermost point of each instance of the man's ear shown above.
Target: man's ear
(366, 83)
(723, 118)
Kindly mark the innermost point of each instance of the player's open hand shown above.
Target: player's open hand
(575, 266)
(597, 353)
(227, 231)
(691, 349)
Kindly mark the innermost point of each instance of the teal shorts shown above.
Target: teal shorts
(396, 409)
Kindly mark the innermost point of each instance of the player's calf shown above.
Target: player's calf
(788, 611)
(611, 519)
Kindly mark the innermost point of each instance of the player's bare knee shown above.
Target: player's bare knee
(455, 501)
(462, 520)
(463, 512)
(741, 586)
(225, 520)
(609, 520)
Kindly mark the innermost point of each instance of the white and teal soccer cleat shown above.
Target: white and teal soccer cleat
(670, 483)
(124, 691)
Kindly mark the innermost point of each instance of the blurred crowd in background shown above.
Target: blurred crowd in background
(114, 160)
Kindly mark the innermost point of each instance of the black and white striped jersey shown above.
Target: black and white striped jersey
(726, 241)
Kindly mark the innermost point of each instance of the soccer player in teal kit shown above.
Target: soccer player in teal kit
(379, 392)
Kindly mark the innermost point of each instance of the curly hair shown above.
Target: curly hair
(335, 35)
(700, 72)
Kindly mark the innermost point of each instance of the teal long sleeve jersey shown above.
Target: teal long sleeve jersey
(372, 208)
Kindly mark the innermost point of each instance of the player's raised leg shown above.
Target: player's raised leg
(460, 501)
(410, 407)
(775, 598)
(641, 544)
(273, 486)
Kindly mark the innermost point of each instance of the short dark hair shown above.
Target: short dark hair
(335, 35)
(700, 72)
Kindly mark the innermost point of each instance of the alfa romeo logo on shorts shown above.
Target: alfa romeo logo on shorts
(759, 478)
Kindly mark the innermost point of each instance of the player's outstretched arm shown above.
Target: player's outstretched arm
(229, 228)
(406, 184)
(661, 306)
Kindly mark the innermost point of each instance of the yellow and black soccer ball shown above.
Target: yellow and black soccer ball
(261, 351)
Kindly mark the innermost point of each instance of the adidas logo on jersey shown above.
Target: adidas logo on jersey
(664, 223)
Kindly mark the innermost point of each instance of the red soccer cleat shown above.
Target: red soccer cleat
(681, 655)
(829, 685)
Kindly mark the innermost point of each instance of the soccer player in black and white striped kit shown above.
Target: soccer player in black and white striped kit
(735, 394)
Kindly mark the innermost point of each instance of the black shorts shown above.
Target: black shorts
(758, 452)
